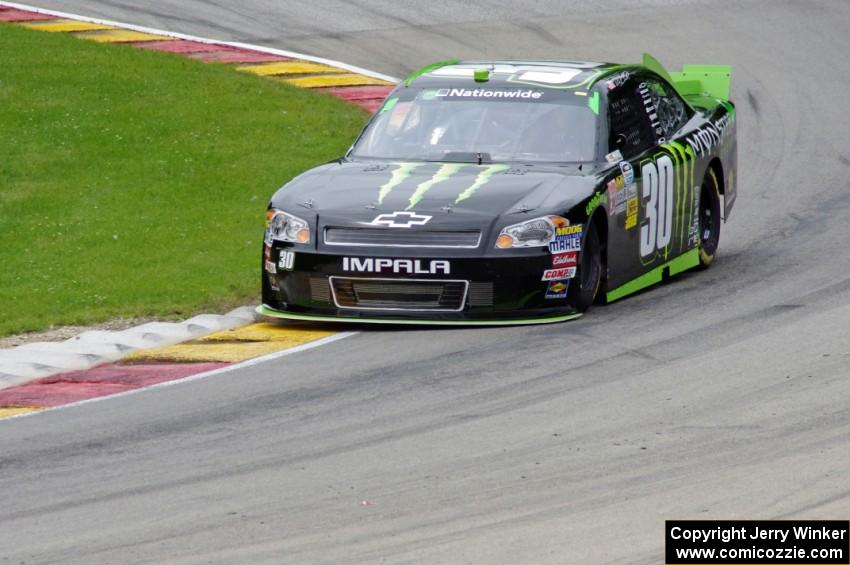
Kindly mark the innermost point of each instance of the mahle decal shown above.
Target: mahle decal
(567, 238)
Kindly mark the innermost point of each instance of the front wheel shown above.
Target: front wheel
(709, 219)
(589, 276)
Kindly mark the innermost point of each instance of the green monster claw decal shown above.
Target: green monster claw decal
(399, 175)
(730, 109)
(687, 196)
(443, 173)
(389, 104)
(593, 102)
(481, 180)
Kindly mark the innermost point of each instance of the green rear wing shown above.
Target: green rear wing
(709, 80)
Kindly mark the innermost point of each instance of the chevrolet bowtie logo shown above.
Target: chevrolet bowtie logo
(400, 220)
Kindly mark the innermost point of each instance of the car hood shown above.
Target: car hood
(357, 191)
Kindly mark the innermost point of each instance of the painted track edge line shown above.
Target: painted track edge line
(176, 35)
(236, 366)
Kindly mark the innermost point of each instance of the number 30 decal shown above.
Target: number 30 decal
(657, 183)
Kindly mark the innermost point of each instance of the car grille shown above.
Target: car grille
(399, 294)
(480, 294)
(320, 291)
(387, 237)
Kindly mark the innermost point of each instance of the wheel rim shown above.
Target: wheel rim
(708, 221)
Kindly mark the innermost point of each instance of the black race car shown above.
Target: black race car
(508, 192)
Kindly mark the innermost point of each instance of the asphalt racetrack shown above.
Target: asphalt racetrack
(723, 394)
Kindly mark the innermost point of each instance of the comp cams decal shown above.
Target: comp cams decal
(559, 274)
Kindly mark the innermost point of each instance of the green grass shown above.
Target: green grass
(134, 183)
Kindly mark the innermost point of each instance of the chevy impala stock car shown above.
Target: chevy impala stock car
(508, 192)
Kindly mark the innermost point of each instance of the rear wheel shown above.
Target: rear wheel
(709, 218)
(589, 275)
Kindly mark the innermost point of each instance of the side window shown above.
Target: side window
(666, 110)
(630, 130)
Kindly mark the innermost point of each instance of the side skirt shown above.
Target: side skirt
(683, 262)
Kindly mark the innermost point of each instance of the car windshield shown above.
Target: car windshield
(491, 124)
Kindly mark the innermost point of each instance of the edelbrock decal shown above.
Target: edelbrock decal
(568, 259)
(398, 266)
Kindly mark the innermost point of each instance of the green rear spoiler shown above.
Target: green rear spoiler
(710, 80)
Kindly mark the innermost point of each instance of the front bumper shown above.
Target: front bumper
(485, 290)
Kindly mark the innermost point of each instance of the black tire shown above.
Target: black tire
(709, 219)
(588, 278)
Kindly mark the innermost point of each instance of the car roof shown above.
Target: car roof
(546, 74)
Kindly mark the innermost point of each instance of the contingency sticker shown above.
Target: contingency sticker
(614, 157)
(631, 213)
(567, 238)
(567, 259)
(557, 289)
(559, 274)
(616, 195)
(622, 188)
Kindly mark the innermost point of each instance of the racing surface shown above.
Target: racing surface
(722, 394)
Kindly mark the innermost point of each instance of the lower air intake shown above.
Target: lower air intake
(399, 294)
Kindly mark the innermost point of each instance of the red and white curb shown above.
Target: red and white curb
(100, 364)
(35, 360)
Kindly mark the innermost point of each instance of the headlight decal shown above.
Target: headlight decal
(282, 226)
(536, 232)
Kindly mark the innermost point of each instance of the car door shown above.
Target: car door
(645, 188)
